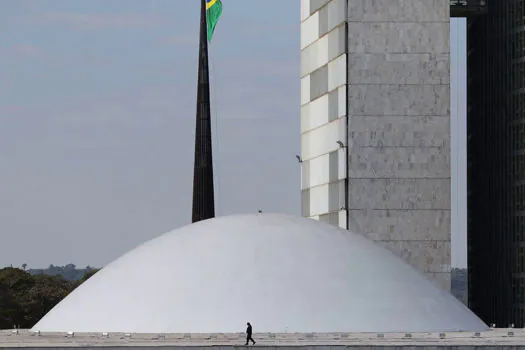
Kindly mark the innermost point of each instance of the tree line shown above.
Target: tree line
(68, 272)
(459, 285)
(26, 296)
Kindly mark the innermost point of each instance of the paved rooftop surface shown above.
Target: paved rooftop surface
(25, 338)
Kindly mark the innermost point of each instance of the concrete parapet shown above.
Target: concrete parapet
(495, 339)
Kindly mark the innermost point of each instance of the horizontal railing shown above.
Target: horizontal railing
(466, 8)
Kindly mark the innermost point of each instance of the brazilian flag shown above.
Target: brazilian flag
(213, 12)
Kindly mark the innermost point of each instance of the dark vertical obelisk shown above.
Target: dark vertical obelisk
(203, 197)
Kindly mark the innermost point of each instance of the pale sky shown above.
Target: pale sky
(97, 105)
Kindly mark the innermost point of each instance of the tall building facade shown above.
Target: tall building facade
(375, 124)
(496, 163)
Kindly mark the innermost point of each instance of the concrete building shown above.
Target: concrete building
(282, 273)
(375, 124)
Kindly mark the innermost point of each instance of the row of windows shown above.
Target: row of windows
(518, 75)
(516, 12)
(516, 112)
(518, 283)
(519, 228)
(510, 13)
(520, 201)
(518, 106)
(518, 136)
(518, 167)
(518, 45)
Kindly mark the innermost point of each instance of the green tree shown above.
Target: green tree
(46, 292)
(87, 275)
(9, 309)
(15, 283)
(24, 298)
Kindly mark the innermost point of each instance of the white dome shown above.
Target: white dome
(281, 273)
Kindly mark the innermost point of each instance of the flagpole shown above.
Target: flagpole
(203, 190)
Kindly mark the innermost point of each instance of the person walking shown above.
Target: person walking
(249, 334)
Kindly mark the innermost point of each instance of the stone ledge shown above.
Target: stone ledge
(495, 337)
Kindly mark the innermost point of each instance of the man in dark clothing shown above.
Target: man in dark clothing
(249, 334)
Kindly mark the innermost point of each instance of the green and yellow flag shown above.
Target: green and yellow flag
(213, 12)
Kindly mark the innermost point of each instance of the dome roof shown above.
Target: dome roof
(281, 273)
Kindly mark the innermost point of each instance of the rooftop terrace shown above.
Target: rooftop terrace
(28, 339)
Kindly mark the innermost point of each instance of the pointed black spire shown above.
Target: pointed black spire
(203, 196)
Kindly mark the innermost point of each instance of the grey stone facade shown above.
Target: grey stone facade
(398, 142)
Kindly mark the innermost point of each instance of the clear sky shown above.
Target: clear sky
(458, 124)
(97, 105)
